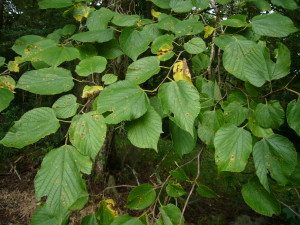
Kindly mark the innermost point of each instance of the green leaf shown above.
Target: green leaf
(251, 62)
(273, 25)
(99, 36)
(124, 20)
(191, 26)
(200, 62)
(131, 37)
(164, 4)
(32, 126)
(263, 5)
(287, 4)
(181, 6)
(167, 22)
(175, 190)
(295, 177)
(126, 220)
(195, 46)
(89, 220)
(179, 174)
(6, 96)
(124, 101)
(66, 106)
(60, 179)
(183, 142)
(53, 4)
(182, 100)
(95, 64)
(205, 191)
(293, 115)
(141, 70)
(106, 212)
(259, 199)
(257, 130)
(2, 61)
(145, 131)
(163, 46)
(54, 56)
(23, 42)
(87, 50)
(141, 197)
(87, 133)
(233, 148)
(282, 66)
(45, 216)
(223, 2)
(269, 115)
(276, 155)
(109, 78)
(235, 113)
(111, 49)
(235, 21)
(245, 60)
(225, 39)
(171, 215)
(201, 4)
(210, 123)
(48, 81)
(99, 19)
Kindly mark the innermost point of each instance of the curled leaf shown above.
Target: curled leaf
(181, 71)
(208, 30)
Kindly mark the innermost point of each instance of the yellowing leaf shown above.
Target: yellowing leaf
(81, 11)
(89, 91)
(163, 50)
(7, 82)
(181, 71)
(154, 13)
(109, 204)
(13, 66)
(208, 30)
(140, 23)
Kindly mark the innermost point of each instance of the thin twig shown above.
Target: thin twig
(290, 208)
(193, 186)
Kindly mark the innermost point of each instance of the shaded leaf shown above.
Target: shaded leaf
(275, 155)
(293, 115)
(259, 199)
(141, 197)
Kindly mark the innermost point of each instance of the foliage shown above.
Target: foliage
(191, 75)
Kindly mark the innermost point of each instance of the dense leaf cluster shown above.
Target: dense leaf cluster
(209, 77)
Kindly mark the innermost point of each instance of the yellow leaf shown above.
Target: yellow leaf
(154, 13)
(208, 30)
(89, 91)
(181, 71)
